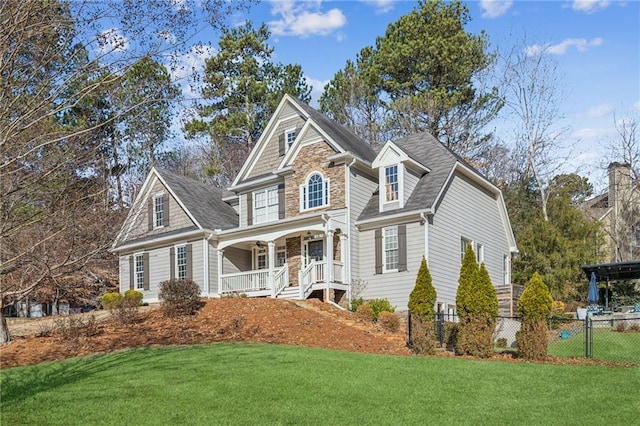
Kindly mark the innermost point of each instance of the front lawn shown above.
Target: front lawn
(272, 384)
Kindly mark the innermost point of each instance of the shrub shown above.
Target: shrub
(379, 305)
(133, 297)
(557, 307)
(477, 305)
(355, 303)
(111, 300)
(389, 321)
(621, 327)
(535, 307)
(501, 343)
(180, 297)
(365, 313)
(422, 335)
(421, 301)
(634, 327)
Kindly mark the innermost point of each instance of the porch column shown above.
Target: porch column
(272, 265)
(329, 273)
(344, 256)
(220, 260)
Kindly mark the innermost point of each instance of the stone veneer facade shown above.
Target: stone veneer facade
(314, 158)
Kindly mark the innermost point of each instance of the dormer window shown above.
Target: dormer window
(314, 192)
(391, 182)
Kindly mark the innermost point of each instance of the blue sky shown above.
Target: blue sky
(595, 42)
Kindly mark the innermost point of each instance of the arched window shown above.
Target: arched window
(314, 192)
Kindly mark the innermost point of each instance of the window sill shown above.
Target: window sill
(324, 206)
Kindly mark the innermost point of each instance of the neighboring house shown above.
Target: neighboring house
(618, 210)
(316, 212)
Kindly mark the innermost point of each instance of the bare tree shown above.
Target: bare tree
(58, 61)
(532, 90)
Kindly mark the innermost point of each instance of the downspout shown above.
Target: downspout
(329, 255)
(347, 265)
(425, 220)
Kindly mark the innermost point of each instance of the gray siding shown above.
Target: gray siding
(270, 156)
(243, 210)
(361, 188)
(395, 286)
(466, 211)
(411, 179)
(236, 260)
(213, 269)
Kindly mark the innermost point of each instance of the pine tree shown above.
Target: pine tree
(421, 302)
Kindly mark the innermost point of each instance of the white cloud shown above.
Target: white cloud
(304, 19)
(599, 111)
(112, 40)
(494, 8)
(381, 6)
(580, 44)
(590, 6)
(317, 89)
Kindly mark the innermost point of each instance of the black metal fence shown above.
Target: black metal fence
(614, 338)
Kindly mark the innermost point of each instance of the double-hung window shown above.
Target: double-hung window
(158, 211)
(290, 136)
(181, 262)
(139, 271)
(477, 247)
(314, 192)
(265, 205)
(390, 243)
(391, 182)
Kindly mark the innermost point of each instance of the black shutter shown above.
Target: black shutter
(145, 266)
(281, 201)
(189, 262)
(378, 251)
(165, 206)
(172, 262)
(249, 209)
(132, 272)
(281, 148)
(402, 248)
(150, 212)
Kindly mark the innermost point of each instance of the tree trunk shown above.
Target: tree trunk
(5, 337)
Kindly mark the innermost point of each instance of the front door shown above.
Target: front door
(315, 250)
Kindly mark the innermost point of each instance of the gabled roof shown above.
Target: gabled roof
(426, 150)
(337, 134)
(203, 202)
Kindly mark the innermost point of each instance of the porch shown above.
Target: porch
(286, 262)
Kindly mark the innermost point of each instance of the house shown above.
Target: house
(315, 211)
(618, 210)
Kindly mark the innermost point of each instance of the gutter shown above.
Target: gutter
(394, 217)
(165, 239)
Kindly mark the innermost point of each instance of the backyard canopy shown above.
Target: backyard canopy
(617, 271)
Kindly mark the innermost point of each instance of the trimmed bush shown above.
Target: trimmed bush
(477, 305)
(133, 297)
(111, 300)
(421, 302)
(534, 307)
(365, 313)
(355, 303)
(389, 321)
(179, 297)
(379, 305)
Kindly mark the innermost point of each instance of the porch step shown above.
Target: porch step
(289, 293)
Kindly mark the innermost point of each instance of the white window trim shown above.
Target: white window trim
(382, 194)
(478, 249)
(267, 211)
(384, 249)
(287, 132)
(154, 212)
(176, 258)
(138, 283)
(326, 192)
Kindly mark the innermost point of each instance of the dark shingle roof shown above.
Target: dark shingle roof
(340, 134)
(203, 201)
(428, 151)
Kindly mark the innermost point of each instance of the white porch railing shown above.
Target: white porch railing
(245, 281)
(338, 271)
(280, 280)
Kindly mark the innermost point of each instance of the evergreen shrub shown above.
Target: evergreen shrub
(421, 305)
(389, 321)
(379, 305)
(111, 300)
(365, 313)
(534, 307)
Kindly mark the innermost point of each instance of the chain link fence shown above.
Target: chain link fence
(614, 338)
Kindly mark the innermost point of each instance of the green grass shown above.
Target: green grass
(608, 345)
(270, 384)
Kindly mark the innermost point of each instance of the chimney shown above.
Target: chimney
(619, 184)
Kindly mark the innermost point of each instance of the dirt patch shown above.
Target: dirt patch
(306, 323)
